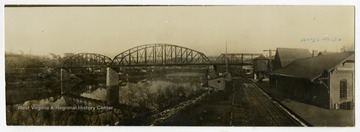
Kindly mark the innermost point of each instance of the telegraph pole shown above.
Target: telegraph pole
(226, 57)
(227, 74)
(269, 61)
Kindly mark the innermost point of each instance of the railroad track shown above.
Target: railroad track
(280, 115)
(264, 110)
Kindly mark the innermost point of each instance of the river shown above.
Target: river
(85, 104)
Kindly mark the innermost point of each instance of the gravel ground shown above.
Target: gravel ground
(240, 104)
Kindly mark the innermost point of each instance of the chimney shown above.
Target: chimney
(314, 53)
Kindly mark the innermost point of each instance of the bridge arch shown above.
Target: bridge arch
(159, 54)
(87, 60)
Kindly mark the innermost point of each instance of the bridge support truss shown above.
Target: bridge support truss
(159, 54)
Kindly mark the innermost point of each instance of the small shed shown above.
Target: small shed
(217, 83)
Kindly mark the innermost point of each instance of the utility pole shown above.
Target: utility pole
(269, 61)
(270, 52)
(226, 57)
(227, 74)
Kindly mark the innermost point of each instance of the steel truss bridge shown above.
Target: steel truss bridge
(87, 60)
(160, 54)
(156, 55)
(236, 58)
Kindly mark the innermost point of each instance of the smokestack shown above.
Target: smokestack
(314, 53)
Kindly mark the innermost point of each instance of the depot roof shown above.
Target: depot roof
(312, 67)
(288, 55)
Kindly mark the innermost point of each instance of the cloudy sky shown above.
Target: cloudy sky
(111, 30)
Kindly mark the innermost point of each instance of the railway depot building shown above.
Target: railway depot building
(325, 80)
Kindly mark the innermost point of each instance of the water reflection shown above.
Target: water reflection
(86, 104)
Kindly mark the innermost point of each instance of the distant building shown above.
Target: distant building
(66, 55)
(326, 80)
(284, 56)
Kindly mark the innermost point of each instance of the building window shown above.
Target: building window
(343, 89)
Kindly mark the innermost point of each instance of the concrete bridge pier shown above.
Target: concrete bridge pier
(112, 86)
(64, 76)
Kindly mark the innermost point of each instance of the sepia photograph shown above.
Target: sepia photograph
(179, 65)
